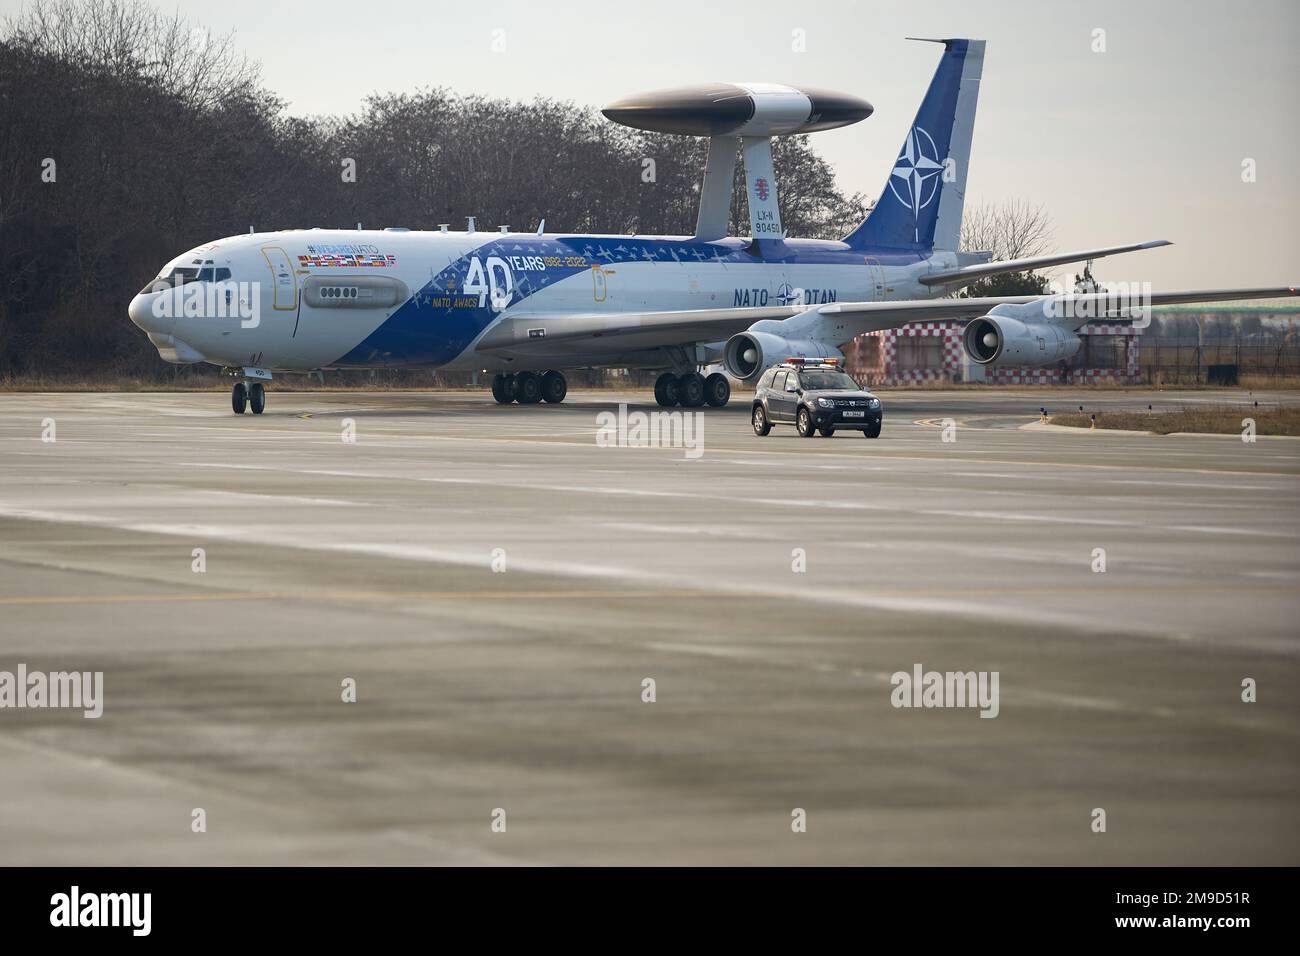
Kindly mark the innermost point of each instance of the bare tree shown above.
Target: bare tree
(159, 135)
(1015, 229)
(128, 38)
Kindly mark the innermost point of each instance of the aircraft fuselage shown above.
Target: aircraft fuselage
(308, 299)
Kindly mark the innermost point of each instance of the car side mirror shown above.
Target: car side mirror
(792, 388)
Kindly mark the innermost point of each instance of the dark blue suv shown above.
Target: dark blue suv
(814, 397)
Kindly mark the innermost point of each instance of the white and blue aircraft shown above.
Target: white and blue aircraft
(528, 306)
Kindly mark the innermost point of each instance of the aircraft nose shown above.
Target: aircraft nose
(146, 316)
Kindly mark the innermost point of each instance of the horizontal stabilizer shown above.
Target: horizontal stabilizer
(967, 274)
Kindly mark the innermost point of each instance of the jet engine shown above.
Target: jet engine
(1002, 339)
(747, 354)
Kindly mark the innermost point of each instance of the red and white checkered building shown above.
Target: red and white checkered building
(875, 358)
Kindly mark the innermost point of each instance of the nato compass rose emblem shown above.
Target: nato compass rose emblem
(760, 187)
(787, 294)
(915, 178)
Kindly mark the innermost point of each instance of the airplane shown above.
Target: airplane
(527, 306)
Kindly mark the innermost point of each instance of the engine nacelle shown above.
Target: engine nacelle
(747, 354)
(1004, 340)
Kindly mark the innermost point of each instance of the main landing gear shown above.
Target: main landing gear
(251, 396)
(692, 390)
(529, 388)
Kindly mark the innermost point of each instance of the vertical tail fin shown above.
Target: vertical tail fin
(920, 207)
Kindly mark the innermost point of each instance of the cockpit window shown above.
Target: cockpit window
(177, 276)
(199, 272)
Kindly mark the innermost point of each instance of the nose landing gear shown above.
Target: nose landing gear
(248, 395)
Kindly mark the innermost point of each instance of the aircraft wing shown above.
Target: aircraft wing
(880, 315)
(967, 274)
(620, 332)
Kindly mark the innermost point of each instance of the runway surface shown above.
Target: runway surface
(481, 690)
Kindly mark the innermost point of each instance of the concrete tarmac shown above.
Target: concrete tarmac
(500, 587)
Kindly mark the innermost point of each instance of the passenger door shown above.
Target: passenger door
(284, 284)
(876, 288)
(783, 402)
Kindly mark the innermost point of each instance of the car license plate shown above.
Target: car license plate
(855, 414)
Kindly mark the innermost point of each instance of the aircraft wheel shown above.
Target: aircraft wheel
(690, 390)
(803, 423)
(666, 390)
(257, 398)
(554, 387)
(759, 420)
(717, 390)
(503, 388)
(528, 388)
(239, 397)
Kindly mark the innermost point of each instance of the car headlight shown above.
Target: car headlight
(826, 402)
(873, 403)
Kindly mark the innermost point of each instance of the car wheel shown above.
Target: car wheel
(759, 418)
(827, 431)
(872, 431)
(804, 423)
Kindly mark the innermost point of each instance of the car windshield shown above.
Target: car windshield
(817, 379)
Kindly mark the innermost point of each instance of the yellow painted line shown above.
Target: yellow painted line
(360, 596)
(375, 440)
(868, 455)
(1100, 589)
(938, 422)
(873, 455)
(797, 448)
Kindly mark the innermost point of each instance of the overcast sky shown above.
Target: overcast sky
(1143, 141)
